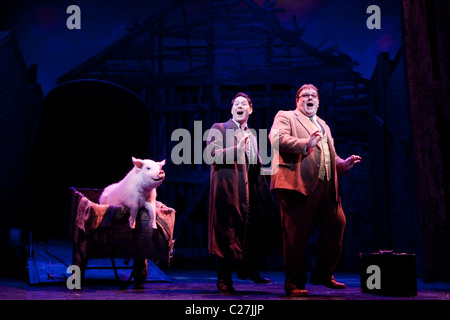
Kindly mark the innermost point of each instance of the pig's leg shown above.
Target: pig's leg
(151, 208)
(132, 219)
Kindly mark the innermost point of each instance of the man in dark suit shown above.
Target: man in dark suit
(305, 180)
(239, 195)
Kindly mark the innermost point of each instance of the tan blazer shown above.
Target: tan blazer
(292, 168)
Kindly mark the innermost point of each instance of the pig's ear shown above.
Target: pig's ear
(161, 163)
(137, 162)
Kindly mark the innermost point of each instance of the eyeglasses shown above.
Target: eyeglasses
(307, 95)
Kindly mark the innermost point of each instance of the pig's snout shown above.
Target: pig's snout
(161, 175)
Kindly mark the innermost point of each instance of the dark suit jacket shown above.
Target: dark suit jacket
(292, 168)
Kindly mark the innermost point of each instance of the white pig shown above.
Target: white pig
(137, 189)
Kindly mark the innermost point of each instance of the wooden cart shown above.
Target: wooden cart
(102, 231)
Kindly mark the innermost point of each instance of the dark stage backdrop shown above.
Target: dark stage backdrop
(89, 131)
(83, 90)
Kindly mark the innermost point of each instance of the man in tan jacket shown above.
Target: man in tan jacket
(305, 182)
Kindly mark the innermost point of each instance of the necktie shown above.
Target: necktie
(247, 143)
(314, 122)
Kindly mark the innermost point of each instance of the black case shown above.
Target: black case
(388, 273)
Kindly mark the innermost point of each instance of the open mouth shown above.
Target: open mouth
(240, 112)
(310, 104)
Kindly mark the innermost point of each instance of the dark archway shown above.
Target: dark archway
(88, 133)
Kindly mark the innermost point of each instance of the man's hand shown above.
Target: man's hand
(314, 139)
(351, 161)
(245, 140)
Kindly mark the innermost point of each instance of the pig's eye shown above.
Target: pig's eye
(148, 168)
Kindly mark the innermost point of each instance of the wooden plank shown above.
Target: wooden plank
(33, 274)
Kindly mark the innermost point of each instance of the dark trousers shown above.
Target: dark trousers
(252, 251)
(225, 268)
(298, 214)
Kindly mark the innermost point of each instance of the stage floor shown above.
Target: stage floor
(201, 285)
(50, 262)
